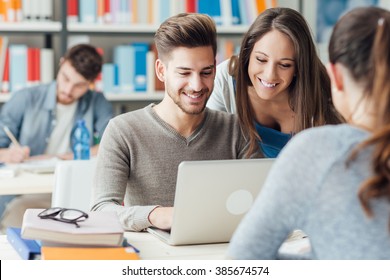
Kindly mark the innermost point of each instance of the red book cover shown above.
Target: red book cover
(73, 10)
(37, 65)
(30, 66)
(191, 6)
(5, 83)
(107, 12)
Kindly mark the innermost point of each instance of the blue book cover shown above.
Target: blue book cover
(236, 12)
(212, 8)
(140, 75)
(110, 78)
(165, 10)
(17, 67)
(124, 58)
(243, 12)
(28, 249)
(88, 12)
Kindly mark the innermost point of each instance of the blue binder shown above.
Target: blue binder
(26, 248)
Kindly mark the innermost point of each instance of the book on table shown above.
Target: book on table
(26, 248)
(78, 253)
(99, 229)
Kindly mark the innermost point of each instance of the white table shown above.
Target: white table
(151, 249)
(27, 183)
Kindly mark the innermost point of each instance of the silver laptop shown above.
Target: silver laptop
(211, 198)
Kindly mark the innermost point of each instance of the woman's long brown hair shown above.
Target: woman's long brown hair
(309, 92)
(361, 42)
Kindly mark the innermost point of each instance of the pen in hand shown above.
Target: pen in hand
(11, 136)
(16, 153)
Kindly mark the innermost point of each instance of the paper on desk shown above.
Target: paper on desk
(39, 166)
(8, 171)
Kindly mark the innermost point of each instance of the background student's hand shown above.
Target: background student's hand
(15, 154)
(161, 217)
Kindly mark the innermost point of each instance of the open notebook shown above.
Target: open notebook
(211, 198)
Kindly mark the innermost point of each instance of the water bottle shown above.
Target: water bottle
(80, 141)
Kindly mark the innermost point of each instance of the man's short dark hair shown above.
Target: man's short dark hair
(86, 60)
(185, 30)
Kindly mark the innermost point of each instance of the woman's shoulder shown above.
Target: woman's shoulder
(328, 137)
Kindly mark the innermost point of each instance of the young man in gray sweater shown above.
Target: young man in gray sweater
(141, 150)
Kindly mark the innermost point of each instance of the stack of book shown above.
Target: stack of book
(100, 236)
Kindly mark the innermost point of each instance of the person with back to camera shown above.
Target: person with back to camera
(42, 118)
(277, 85)
(334, 181)
(140, 151)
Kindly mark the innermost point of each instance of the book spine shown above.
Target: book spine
(212, 8)
(37, 66)
(124, 58)
(3, 56)
(100, 11)
(87, 11)
(47, 65)
(142, 10)
(235, 12)
(107, 11)
(191, 6)
(150, 76)
(165, 10)
(226, 12)
(27, 249)
(115, 10)
(72, 11)
(30, 66)
(35, 6)
(18, 67)
(5, 83)
(109, 79)
(140, 70)
(46, 12)
(18, 10)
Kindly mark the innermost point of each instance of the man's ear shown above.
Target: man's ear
(336, 76)
(160, 70)
(61, 61)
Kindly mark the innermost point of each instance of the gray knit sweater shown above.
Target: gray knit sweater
(310, 188)
(139, 155)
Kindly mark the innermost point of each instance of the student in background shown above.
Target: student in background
(42, 117)
(141, 150)
(334, 181)
(277, 85)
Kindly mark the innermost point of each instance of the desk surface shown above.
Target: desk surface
(154, 249)
(27, 183)
(151, 249)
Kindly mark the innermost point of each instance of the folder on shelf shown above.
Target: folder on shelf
(28, 249)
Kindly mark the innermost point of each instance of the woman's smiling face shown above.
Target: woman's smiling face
(272, 65)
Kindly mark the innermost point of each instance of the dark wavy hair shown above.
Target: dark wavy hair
(361, 43)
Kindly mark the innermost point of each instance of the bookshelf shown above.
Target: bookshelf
(61, 32)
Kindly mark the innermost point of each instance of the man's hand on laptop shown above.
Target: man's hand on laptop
(161, 217)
